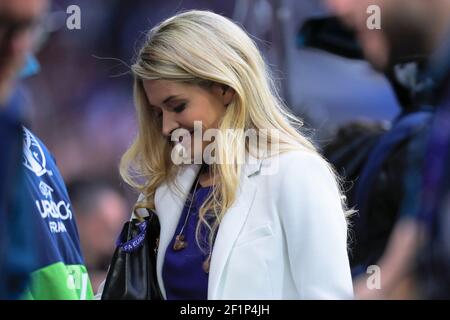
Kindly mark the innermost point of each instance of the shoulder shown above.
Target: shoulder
(302, 157)
(292, 165)
(33, 143)
(39, 162)
(307, 196)
(303, 173)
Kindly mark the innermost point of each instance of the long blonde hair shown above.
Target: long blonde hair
(198, 47)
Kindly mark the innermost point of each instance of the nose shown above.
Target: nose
(22, 43)
(16, 43)
(340, 7)
(351, 12)
(169, 123)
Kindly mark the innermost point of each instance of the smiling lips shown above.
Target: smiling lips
(181, 139)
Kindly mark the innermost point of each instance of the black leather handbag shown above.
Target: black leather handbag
(132, 273)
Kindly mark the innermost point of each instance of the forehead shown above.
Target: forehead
(165, 86)
(360, 5)
(158, 90)
(23, 9)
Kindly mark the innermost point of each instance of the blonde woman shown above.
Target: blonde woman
(239, 220)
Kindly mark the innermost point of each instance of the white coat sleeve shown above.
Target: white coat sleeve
(315, 228)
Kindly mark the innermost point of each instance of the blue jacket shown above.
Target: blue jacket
(17, 258)
(434, 258)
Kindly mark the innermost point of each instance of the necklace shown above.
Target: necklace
(180, 242)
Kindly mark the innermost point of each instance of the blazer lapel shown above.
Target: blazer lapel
(231, 226)
(169, 206)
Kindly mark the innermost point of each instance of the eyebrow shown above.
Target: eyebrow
(169, 98)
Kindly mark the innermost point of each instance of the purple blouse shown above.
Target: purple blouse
(183, 274)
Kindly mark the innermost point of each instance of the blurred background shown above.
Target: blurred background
(82, 105)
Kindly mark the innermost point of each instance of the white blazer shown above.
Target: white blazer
(285, 237)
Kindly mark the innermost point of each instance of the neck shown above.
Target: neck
(204, 167)
(205, 178)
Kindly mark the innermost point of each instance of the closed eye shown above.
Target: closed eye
(180, 108)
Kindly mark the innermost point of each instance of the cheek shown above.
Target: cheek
(209, 114)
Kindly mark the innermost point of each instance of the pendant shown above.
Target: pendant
(179, 243)
(206, 264)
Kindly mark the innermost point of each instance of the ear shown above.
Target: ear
(224, 92)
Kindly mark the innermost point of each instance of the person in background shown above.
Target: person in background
(416, 260)
(47, 223)
(18, 19)
(100, 213)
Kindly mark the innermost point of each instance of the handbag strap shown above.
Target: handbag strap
(136, 242)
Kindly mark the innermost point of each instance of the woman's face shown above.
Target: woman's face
(178, 105)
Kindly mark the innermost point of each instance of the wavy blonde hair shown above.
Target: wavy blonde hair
(201, 47)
